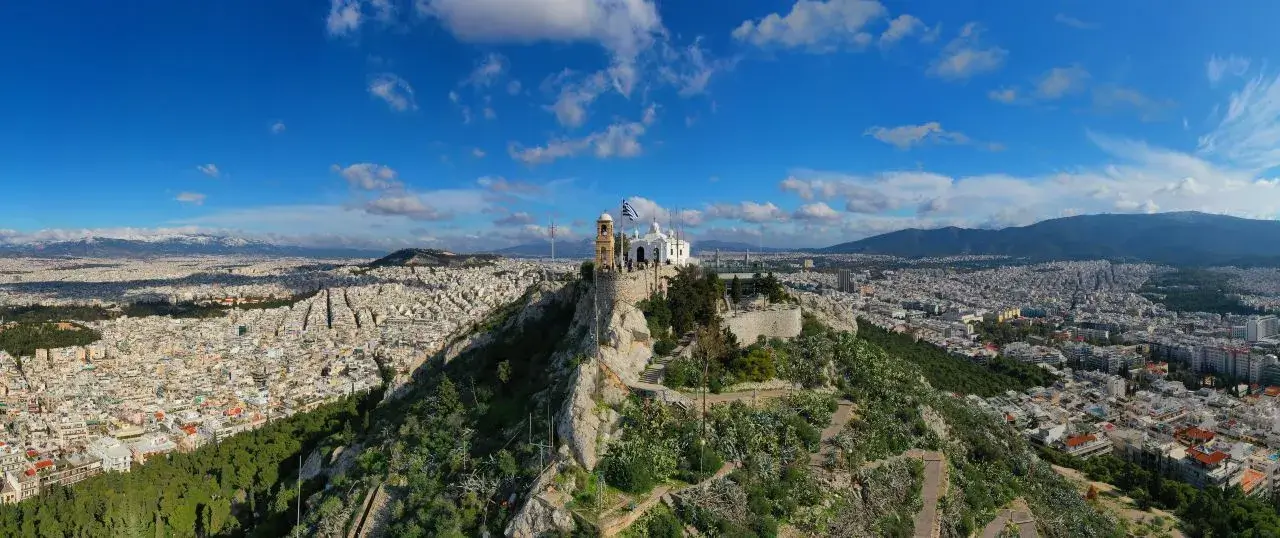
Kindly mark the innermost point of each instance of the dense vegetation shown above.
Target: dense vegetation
(1006, 333)
(243, 486)
(952, 374)
(1195, 290)
(23, 339)
(466, 436)
(44, 314)
(989, 463)
(1204, 512)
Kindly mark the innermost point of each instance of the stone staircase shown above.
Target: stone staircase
(654, 371)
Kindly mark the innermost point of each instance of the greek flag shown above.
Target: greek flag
(628, 211)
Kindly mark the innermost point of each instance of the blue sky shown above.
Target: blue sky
(471, 123)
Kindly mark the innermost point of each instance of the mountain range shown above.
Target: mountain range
(1177, 238)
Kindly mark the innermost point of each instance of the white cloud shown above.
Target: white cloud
(513, 87)
(518, 218)
(901, 27)
(1108, 98)
(819, 211)
(404, 204)
(650, 114)
(650, 211)
(477, 153)
(966, 56)
(570, 107)
(906, 136)
(193, 198)
(502, 185)
(277, 127)
(690, 69)
(816, 26)
(489, 70)
(1004, 95)
(747, 211)
(369, 176)
(1074, 22)
(394, 90)
(1061, 81)
(621, 140)
(344, 17)
(1233, 65)
(1248, 136)
(210, 170)
(623, 27)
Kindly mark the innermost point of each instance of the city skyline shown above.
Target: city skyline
(452, 124)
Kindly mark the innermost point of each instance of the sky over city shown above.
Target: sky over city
(470, 124)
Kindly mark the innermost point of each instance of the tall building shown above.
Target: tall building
(1261, 328)
(844, 281)
(605, 259)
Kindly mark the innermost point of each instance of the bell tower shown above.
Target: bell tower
(605, 258)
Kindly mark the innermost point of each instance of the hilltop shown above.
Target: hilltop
(419, 257)
(1179, 238)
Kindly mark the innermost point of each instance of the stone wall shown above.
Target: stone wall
(779, 321)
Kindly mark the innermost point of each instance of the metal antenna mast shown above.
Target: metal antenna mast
(552, 229)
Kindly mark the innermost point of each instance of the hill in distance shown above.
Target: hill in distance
(1177, 238)
(420, 257)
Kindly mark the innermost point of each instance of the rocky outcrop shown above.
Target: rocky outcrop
(625, 349)
(833, 313)
(544, 512)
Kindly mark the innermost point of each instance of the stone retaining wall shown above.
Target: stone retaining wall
(773, 322)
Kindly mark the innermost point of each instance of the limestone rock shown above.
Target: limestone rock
(538, 517)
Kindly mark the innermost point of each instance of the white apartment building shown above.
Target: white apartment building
(114, 454)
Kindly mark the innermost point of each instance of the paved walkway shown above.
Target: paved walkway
(1019, 514)
(928, 521)
(612, 523)
(839, 420)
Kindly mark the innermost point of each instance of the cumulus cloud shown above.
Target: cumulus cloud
(193, 198)
(1233, 65)
(902, 26)
(1004, 95)
(404, 204)
(395, 91)
(747, 211)
(620, 140)
(477, 153)
(277, 127)
(210, 170)
(650, 211)
(369, 176)
(967, 55)
(818, 211)
(814, 26)
(625, 28)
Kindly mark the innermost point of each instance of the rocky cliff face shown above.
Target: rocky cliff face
(837, 315)
(596, 380)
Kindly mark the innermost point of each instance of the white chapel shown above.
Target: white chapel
(657, 245)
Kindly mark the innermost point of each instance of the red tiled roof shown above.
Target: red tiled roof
(1272, 391)
(1080, 440)
(1196, 434)
(1251, 480)
(43, 463)
(30, 471)
(1213, 458)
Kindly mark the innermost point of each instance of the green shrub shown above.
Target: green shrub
(633, 476)
(664, 347)
(755, 366)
